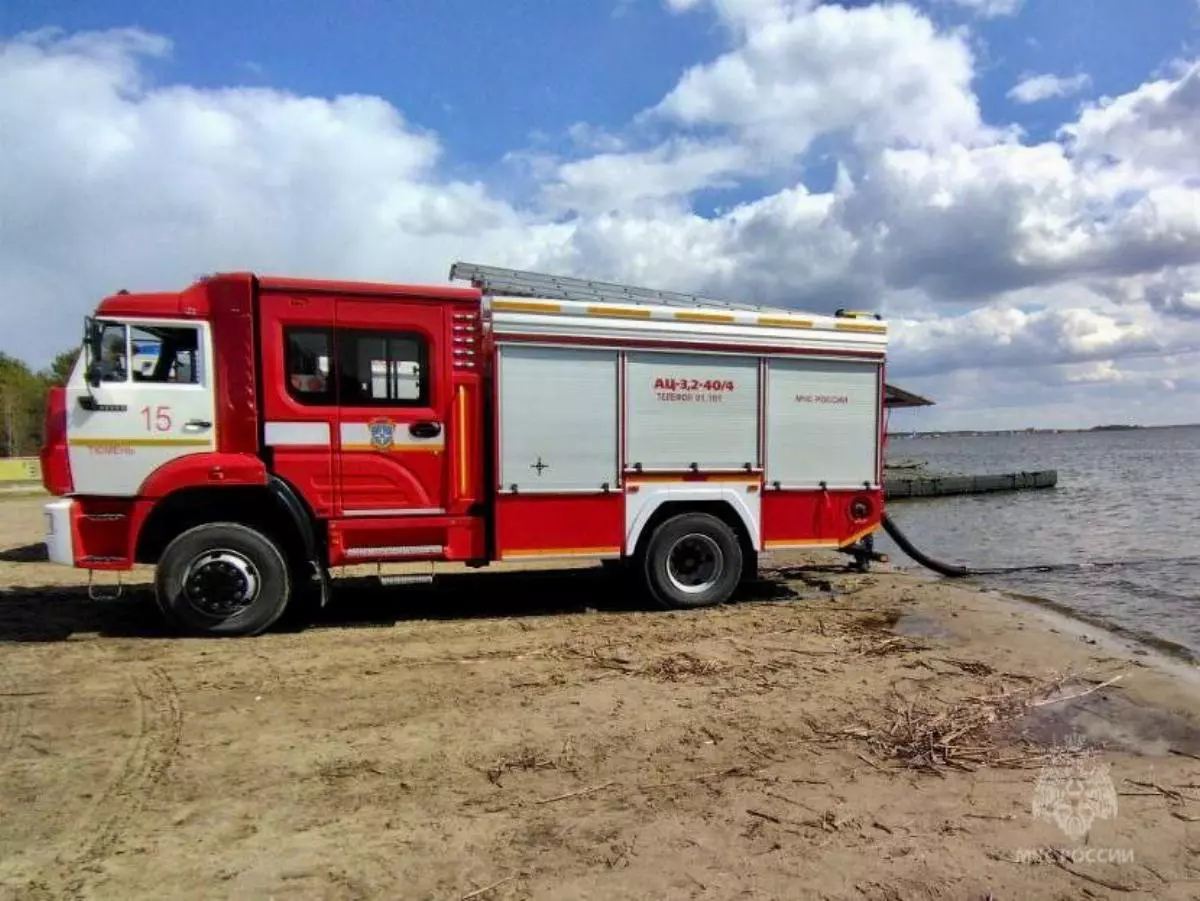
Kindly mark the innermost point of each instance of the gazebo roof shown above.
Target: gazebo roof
(897, 398)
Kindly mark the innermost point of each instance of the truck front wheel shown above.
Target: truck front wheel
(692, 560)
(222, 579)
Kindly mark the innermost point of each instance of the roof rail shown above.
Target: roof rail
(518, 283)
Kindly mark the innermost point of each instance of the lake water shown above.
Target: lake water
(1119, 535)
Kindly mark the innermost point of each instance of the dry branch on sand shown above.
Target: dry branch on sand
(895, 645)
(961, 734)
(674, 667)
(671, 667)
(529, 758)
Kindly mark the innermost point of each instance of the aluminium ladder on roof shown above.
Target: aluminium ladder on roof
(517, 283)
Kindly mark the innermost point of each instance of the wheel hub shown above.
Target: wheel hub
(221, 583)
(695, 563)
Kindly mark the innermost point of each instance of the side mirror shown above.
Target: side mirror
(91, 351)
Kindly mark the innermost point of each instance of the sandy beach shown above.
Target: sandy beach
(538, 734)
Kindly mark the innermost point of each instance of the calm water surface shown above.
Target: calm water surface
(1119, 533)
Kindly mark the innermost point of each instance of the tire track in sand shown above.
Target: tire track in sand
(159, 726)
(12, 720)
(14, 717)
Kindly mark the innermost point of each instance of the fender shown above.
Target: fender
(219, 470)
(288, 499)
(640, 507)
(207, 470)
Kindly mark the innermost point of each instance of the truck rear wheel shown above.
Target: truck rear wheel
(692, 560)
(222, 579)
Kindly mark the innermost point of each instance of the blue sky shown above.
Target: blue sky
(1013, 182)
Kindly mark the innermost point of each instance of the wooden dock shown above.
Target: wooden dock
(924, 484)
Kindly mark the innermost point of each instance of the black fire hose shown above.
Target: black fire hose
(946, 569)
(954, 571)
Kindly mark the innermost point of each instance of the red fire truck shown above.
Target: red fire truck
(249, 434)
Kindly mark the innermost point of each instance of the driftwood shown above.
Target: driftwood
(576, 794)
(961, 735)
(480, 892)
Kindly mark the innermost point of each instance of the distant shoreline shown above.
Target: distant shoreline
(945, 433)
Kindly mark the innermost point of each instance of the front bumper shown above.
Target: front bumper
(60, 531)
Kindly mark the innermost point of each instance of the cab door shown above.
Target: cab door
(153, 402)
(393, 397)
(300, 410)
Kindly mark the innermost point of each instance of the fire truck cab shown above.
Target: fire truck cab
(250, 434)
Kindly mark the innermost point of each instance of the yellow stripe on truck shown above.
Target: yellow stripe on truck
(463, 463)
(704, 317)
(620, 312)
(526, 306)
(784, 322)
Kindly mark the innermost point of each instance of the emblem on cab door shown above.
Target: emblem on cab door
(383, 434)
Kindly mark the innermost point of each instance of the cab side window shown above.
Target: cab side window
(382, 369)
(307, 356)
(167, 355)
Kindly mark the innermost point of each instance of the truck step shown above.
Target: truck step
(407, 579)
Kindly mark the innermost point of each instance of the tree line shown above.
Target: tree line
(23, 401)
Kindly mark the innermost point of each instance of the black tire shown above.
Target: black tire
(698, 537)
(220, 557)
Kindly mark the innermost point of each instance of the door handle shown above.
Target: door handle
(196, 425)
(425, 429)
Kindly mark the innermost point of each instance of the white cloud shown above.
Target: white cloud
(1064, 269)
(108, 181)
(969, 223)
(1005, 336)
(1157, 126)
(625, 181)
(989, 9)
(1105, 371)
(1035, 88)
(880, 73)
(786, 249)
